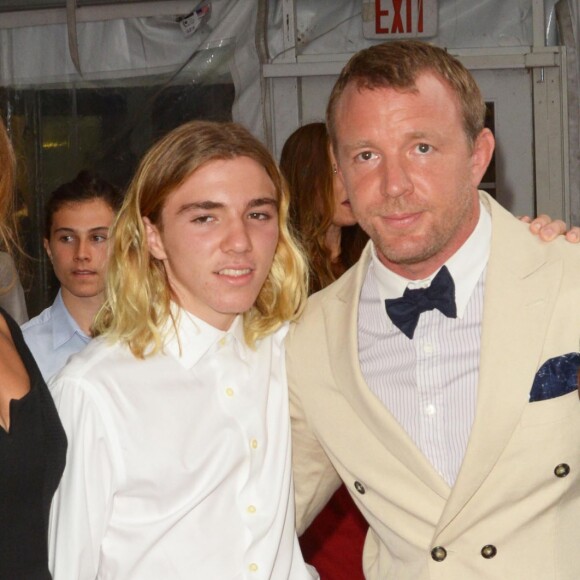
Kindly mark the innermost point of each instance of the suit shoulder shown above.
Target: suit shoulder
(558, 249)
(337, 295)
(513, 240)
(335, 291)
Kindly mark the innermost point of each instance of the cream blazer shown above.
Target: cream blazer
(517, 496)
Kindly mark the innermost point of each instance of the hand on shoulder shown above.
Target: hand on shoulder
(549, 229)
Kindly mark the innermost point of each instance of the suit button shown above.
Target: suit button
(439, 553)
(488, 551)
(562, 470)
(360, 487)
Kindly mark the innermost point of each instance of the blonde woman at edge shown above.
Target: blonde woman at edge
(32, 440)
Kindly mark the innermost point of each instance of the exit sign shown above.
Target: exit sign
(386, 19)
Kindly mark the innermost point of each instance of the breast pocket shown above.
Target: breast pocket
(551, 410)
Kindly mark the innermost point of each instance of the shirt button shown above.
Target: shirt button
(251, 509)
(562, 470)
(428, 348)
(253, 567)
(230, 392)
(488, 551)
(254, 444)
(223, 341)
(430, 410)
(439, 553)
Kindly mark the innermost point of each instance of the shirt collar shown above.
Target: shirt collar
(195, 338)
(64, 326)
(465, 266)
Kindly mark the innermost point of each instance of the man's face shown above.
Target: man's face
(77, 247)
(410, 172)
(217, 238)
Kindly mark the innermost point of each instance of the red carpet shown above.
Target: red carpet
(334, 541)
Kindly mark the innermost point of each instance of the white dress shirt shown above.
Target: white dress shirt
(429, 383)
(53, 336)
(178, 465)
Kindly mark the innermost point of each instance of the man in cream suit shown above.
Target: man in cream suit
(444, 389)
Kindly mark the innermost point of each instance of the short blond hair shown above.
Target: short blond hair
(397, 65)
(137, 307)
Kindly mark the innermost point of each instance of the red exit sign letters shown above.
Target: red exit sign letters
(399, 18)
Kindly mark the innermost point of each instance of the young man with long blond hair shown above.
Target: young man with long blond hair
(177, 414)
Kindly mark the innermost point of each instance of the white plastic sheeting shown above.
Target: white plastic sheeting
(121, 50)
(334, 26)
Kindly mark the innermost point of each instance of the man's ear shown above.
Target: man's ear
(46, 245)
(481, 155)
(332, 157)
(154, 241)
(335, 166)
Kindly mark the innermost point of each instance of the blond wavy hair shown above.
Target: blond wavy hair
(137, 308)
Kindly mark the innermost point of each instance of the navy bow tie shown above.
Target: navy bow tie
(405, 311)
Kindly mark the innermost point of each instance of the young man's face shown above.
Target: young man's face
(410, 173)
(217, 238)
(77, 247)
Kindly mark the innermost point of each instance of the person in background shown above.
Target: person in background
(177, 414)
(78, 216)
(437, 377)
(322, 218)
(32, 440)
(320, 211)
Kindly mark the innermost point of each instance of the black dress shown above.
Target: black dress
(32, 458)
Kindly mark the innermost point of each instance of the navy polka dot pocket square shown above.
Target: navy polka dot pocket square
(556, 377)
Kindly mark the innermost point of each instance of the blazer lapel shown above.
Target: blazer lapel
(519, 291)
(341, 314)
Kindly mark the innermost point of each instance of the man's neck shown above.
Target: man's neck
(82, 308)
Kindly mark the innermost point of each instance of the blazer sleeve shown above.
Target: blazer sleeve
(315, 479)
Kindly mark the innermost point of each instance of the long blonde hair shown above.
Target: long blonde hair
(9, 241)
(137, 308)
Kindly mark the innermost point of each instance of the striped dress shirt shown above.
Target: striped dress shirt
(428, 383)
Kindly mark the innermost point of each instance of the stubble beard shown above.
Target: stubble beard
(411, 250)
